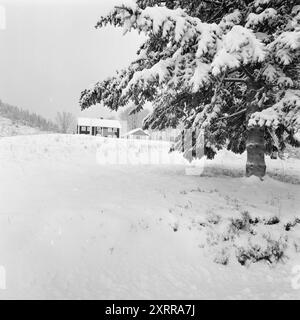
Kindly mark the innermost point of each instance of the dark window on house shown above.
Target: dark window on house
(84, 129)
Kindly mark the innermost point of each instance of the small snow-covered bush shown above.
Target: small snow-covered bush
(242, 223)
(213, 218)
(250, 239)
(290, 225)
(268, 249)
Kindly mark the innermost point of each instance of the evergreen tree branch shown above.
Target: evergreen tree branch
(233, 115)
(235, 80)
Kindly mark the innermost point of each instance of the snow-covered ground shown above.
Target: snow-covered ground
(74, 223)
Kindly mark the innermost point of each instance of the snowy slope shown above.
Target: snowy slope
(75, 226)
(9, 128)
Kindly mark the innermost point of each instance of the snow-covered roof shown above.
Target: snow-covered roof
(137, 131)
(94, 122)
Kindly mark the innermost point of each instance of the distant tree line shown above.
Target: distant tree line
(27, 118)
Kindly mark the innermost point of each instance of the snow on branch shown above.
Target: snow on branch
(274, 75)
(159, 71)
(238, 47)
(285, 46)
(231, 20)
(201, 76)
(258, 3)
(152, 20)
(286, 111)
(255, 19)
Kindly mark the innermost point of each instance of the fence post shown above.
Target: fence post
(193, 143)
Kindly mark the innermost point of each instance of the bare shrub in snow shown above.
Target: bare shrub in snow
(250, 239)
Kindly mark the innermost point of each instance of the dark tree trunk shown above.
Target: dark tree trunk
(255, 152)
(255, 143)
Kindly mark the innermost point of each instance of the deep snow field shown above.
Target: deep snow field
(76, 224)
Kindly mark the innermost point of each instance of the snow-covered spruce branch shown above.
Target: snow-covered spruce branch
(253, 47)
(225, 50)
(221, 51)
(286, 112)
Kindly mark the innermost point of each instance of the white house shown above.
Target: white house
(99, 127)
(137, 133)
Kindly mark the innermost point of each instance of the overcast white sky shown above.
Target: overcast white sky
(50, 51)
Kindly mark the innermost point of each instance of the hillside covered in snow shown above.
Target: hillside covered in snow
(9, 128)
(75, 222)
(18, 121)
